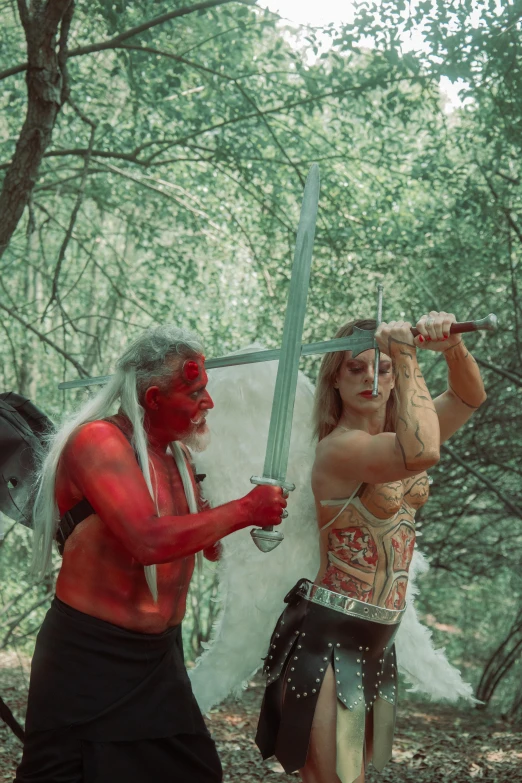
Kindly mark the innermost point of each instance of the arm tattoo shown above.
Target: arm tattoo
(413, 425)
(421, 452)
(473, 407)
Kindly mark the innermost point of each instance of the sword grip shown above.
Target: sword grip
(286, 485)
(487, 324)
(266, 538)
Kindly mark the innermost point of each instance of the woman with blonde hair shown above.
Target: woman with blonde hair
(331, 695)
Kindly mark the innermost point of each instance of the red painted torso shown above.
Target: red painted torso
(370, 545)
(98, 574)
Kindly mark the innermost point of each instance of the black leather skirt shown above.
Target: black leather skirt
(318, 629)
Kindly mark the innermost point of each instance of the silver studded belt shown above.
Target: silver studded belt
(351, 606)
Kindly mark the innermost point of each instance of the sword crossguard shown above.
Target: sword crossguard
(285, 485)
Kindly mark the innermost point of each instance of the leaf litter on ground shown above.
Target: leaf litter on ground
(434, 742)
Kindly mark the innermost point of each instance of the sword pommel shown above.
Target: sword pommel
(488, 324)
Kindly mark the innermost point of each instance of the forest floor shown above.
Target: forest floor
(433, 742)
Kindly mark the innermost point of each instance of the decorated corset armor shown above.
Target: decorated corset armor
(371, 546)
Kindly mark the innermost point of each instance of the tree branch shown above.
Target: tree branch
(74, 214)
(45, 340)
(4, 536)
(81, 152)
(100, 267)
(163, 184)
(9, 719)
(507, 212)
(141, 28)
(500, 371)
(484, 479)
(16, 622)
(182, 140)
(233, 80)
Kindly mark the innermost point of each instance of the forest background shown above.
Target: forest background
(152, 160)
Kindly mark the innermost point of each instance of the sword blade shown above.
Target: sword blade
(361, 340)
(278, 445)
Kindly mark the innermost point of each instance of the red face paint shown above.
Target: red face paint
(179, 410)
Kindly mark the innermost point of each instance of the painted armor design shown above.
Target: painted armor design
(371, 546)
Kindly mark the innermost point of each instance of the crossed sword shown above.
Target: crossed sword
(280, 428)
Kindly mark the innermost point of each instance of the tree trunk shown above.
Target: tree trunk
(46, 79)
(501, 662)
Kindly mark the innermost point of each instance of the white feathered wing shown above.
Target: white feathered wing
(253, 584)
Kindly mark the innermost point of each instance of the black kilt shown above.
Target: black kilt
(308, 638)
(108, 704)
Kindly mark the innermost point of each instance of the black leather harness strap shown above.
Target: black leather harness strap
(70, 519)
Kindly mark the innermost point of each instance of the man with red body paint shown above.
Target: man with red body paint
(108, 642)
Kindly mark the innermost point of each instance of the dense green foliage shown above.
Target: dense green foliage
(171, 192)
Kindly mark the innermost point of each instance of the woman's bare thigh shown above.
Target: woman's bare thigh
(320, 764)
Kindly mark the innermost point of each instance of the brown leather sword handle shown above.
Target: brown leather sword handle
(487, 324)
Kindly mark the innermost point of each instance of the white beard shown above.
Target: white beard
(199, 438)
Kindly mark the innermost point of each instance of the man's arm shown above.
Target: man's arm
(100, 462)
(213, 553)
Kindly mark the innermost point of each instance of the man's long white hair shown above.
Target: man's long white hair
(149, 360)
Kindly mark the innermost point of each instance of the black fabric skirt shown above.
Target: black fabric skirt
(60, 757)
(96, 687)
(308, 638)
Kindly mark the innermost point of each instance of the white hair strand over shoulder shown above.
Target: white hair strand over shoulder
(149, 360)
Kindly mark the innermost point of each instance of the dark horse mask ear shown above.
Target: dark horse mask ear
(22, 429)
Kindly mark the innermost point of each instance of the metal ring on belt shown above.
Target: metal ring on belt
(351, 606)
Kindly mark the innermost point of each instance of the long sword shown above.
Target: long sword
(280, 429)
(361, 340)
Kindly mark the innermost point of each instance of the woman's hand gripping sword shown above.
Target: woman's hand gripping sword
(489, 323)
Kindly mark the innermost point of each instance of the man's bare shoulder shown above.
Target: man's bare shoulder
(100, 435)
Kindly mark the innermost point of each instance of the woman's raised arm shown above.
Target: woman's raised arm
(355, 455)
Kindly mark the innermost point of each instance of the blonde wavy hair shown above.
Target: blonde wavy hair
(328, 405)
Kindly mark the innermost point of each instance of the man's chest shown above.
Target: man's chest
(168, 485)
